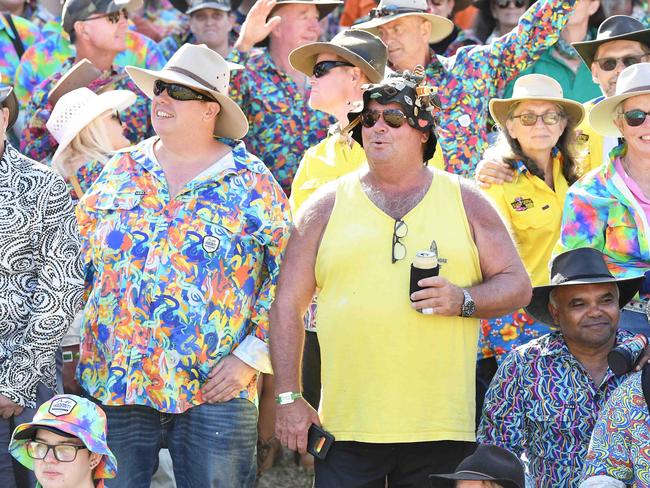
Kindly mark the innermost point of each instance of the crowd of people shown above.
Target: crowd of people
(406, 239)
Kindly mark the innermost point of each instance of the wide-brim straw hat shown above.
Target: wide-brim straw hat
(632, 82)
(390, 10)
(78, 108)
(536, 87)
(200, 68)
(582, 266)
(9, 100)
(360, 48)
(614, 28)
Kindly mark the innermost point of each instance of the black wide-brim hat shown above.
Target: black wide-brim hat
(8, 99)
(614, 28)
(488, 463)
(582, 266)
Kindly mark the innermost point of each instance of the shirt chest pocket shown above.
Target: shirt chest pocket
(621, 233)
(555, 425)
(217, 235)
(528, 214)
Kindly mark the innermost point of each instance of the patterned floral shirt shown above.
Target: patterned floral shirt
(620, 441)
(41, 280)
(542, 403)
(466, 82)
(29, 34)
(179, 283)
(601, 212)
(282, 124)
(37, 142)
(49, 56)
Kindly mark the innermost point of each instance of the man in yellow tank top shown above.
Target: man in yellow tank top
(397, 368)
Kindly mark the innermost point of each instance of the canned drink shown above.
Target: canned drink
(622, 358)
(425, 265)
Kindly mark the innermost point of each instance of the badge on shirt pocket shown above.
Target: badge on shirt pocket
(211, 243)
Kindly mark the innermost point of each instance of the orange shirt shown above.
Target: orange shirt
(355, 9)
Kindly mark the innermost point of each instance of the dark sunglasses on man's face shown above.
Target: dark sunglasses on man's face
(324, 67)
(393, 117)
(179, 92)
(634, 118)
(515, 3)
(610, 64)
(113, 17)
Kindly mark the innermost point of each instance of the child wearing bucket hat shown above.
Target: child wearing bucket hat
(65, 445)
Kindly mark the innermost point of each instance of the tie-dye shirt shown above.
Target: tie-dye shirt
(543, 403)
(621, 439)
(601, 212)
(48, 57)
(282, 124)
(29, 35)
(466, 82)
(179, 282)
(37, 142)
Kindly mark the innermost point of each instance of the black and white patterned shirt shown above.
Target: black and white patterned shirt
(41, 277)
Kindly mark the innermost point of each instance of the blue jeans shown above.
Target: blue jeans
(211, 445)
(635, 322)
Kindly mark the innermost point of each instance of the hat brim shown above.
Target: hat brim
(472, 476)
(440, 27)
(538, 306)
(231, 121)
(110, 100)
(499, 108)
(603, 114)
(211, 5)
(107, 468)
(324, 8)
(10, 101)
(587, 49)
(304, 59)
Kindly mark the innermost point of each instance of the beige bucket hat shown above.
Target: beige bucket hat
(389, 10)
(536, 87)
(78, 108)
(633, 81)
(199, 67)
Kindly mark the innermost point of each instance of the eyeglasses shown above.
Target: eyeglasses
(399, 232)
(113, 17)
(324, 67)
(65, 453)
(516, 3)
(610, 64)
(549, 118)
(393, 117)
(634, 118)
(179, 92)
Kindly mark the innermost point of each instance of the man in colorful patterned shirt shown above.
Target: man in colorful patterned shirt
(545, 397)
(467, 81)
(271, 92)
(618, 453)
(184, 244)
(98, 29)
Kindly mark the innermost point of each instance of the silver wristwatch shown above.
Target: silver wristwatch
(468, 307)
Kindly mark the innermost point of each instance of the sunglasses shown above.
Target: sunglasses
(549, 118)
(113, 17)
(324, 67)
(393, 117)
(65, 453)
(399, 232)
(179, 92)
(610, 64)
(515, 3)
(634, 118)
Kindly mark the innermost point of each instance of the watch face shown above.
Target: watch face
(469, 307)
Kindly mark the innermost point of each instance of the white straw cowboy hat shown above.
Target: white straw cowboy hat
(200, 68)
(633, 81)
(78, 108)
(536, 87)
(389, 10)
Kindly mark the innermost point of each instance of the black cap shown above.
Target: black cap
(75, 10)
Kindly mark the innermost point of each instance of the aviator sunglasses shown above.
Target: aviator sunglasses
(113, 17)
(634, 118)
(179, 92)
(393, 117)
(610, 64)
(324, 67)
(549, 118)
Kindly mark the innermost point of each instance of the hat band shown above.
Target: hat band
(390, 10)
(191, 75)
(577, 277)
(636, 89)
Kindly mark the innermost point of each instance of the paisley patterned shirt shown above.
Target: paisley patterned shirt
(467, 81)
(282, 124)
(620, 443)
(179, 282)
(41, 280)
(543, 403)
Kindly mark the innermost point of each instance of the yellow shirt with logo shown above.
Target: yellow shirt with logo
(533, 211)
(389, 373)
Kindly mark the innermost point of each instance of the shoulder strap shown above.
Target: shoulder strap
(645, 385)
(16, 40)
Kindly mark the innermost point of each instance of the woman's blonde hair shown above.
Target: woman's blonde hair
(92, 143)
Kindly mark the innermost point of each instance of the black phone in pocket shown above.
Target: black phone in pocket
(319, 441)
